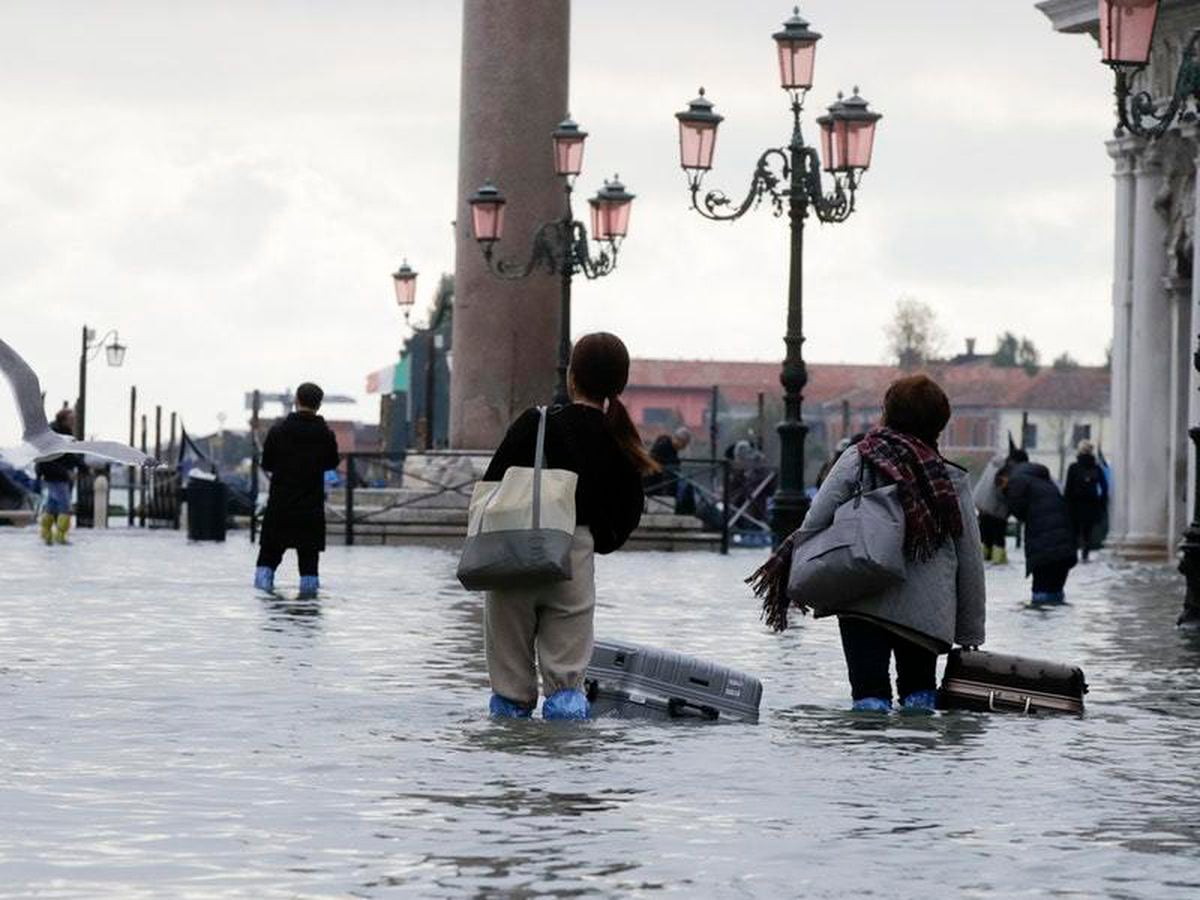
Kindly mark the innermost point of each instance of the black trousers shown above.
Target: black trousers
(1050, 579)
(270, 555)
(869, 649)
(992, 530)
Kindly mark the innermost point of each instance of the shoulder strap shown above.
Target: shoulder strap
(539, 454)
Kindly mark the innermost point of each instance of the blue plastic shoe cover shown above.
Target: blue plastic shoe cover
(503, 708)
(309, 584)
(926, 699)
(566, 704)
(872, 704)
(264, 578)
(1041, 598)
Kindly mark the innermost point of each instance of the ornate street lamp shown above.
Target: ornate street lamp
(114, 354)
(560, 247)
(404, 279)
(847, 138)
(1126, 33)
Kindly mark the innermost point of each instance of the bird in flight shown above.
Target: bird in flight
(38, 441)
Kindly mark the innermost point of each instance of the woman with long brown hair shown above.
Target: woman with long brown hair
(550, 628)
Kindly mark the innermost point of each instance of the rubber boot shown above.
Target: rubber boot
(46, 524)
(872, 704)
(926, 699)
(566, 704)
(987, 553)
(503, 708)
(1047, 598)
(64, 525)
(309, 585)
(1000, 556)
(264, 578)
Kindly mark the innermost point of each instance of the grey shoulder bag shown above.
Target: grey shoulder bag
(861, 553)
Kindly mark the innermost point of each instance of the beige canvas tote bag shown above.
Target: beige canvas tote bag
(520, 529)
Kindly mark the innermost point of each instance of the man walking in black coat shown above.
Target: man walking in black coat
(1049, 535)
(297, 453)
(1086, 492)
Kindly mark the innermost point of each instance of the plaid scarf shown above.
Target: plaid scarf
(931, 511)
(931, 515)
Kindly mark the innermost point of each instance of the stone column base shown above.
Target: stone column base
(1143, 548)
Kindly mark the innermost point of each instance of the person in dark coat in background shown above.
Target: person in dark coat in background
(1086, 493)
(1049, 535)
(668, 480)
(297, 453)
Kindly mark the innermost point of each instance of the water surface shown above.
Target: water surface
(168, 733)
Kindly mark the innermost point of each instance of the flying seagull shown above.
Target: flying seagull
(39, 442)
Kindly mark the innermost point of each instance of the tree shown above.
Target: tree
(1012, 351)
(1065, 362)
(1028, 357)
(1006, 350)
(914, 335)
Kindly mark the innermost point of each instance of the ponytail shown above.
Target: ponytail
(625, 433)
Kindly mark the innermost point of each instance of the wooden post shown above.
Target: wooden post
(142, 479)
(132, 473)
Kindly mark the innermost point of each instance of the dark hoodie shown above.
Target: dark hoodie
(1086, 490)
(1034, 499)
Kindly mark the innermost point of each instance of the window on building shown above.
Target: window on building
(1080, 433)
(659, 415)
(1030, 441)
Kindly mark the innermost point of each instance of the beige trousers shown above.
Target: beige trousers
(554, 622)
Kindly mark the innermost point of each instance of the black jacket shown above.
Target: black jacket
(1034, 499)
(61, 467)
(664, 481)
(298, 451)
(1086, 489)
(608, 495)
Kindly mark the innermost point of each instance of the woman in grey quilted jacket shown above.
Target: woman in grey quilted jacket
(941, 600)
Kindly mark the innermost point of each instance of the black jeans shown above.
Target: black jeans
(271, 555)
(1050, 579)
(869, 648)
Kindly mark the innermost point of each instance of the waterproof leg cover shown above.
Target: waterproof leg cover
(309, 585)
(1000, 556)
(503, 708)
(872, 704)
(47, 527)
(1047, 598)
(64, 525)
(920, 700)
(566, 704)
(264, 578)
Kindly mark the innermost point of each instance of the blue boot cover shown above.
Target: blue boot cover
(309, 585)
(872, 704)
(926, 699)
(1045, 598)
(264, 578)
(566, 704)
(503, 708)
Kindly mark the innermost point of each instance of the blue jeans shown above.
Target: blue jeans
(58, 498)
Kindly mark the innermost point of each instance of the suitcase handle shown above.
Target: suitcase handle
(677, 708)
(992, 702)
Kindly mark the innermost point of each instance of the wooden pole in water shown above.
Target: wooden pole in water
(131, 476)
(142, 479)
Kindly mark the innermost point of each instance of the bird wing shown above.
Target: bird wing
(114, 451)
(26, 389)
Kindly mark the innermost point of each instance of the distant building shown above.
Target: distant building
(1059, 407)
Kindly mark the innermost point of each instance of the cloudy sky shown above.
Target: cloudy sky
(230, 185)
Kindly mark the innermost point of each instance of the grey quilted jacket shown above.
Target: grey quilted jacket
(941, 601)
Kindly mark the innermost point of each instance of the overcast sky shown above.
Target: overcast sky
(230, 185)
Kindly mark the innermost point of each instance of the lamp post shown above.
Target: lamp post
(114, 352)
(560, 247)
(1126, 33)
(847, 137)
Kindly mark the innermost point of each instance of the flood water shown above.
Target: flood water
(168, 733)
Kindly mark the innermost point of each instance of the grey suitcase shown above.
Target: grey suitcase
(628, 681)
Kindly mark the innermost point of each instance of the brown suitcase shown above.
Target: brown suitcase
(978, 680)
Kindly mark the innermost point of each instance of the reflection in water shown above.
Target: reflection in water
(164, 739)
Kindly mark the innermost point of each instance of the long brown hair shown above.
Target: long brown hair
(599, 371)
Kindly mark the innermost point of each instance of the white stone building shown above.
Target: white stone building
(1156, 308)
